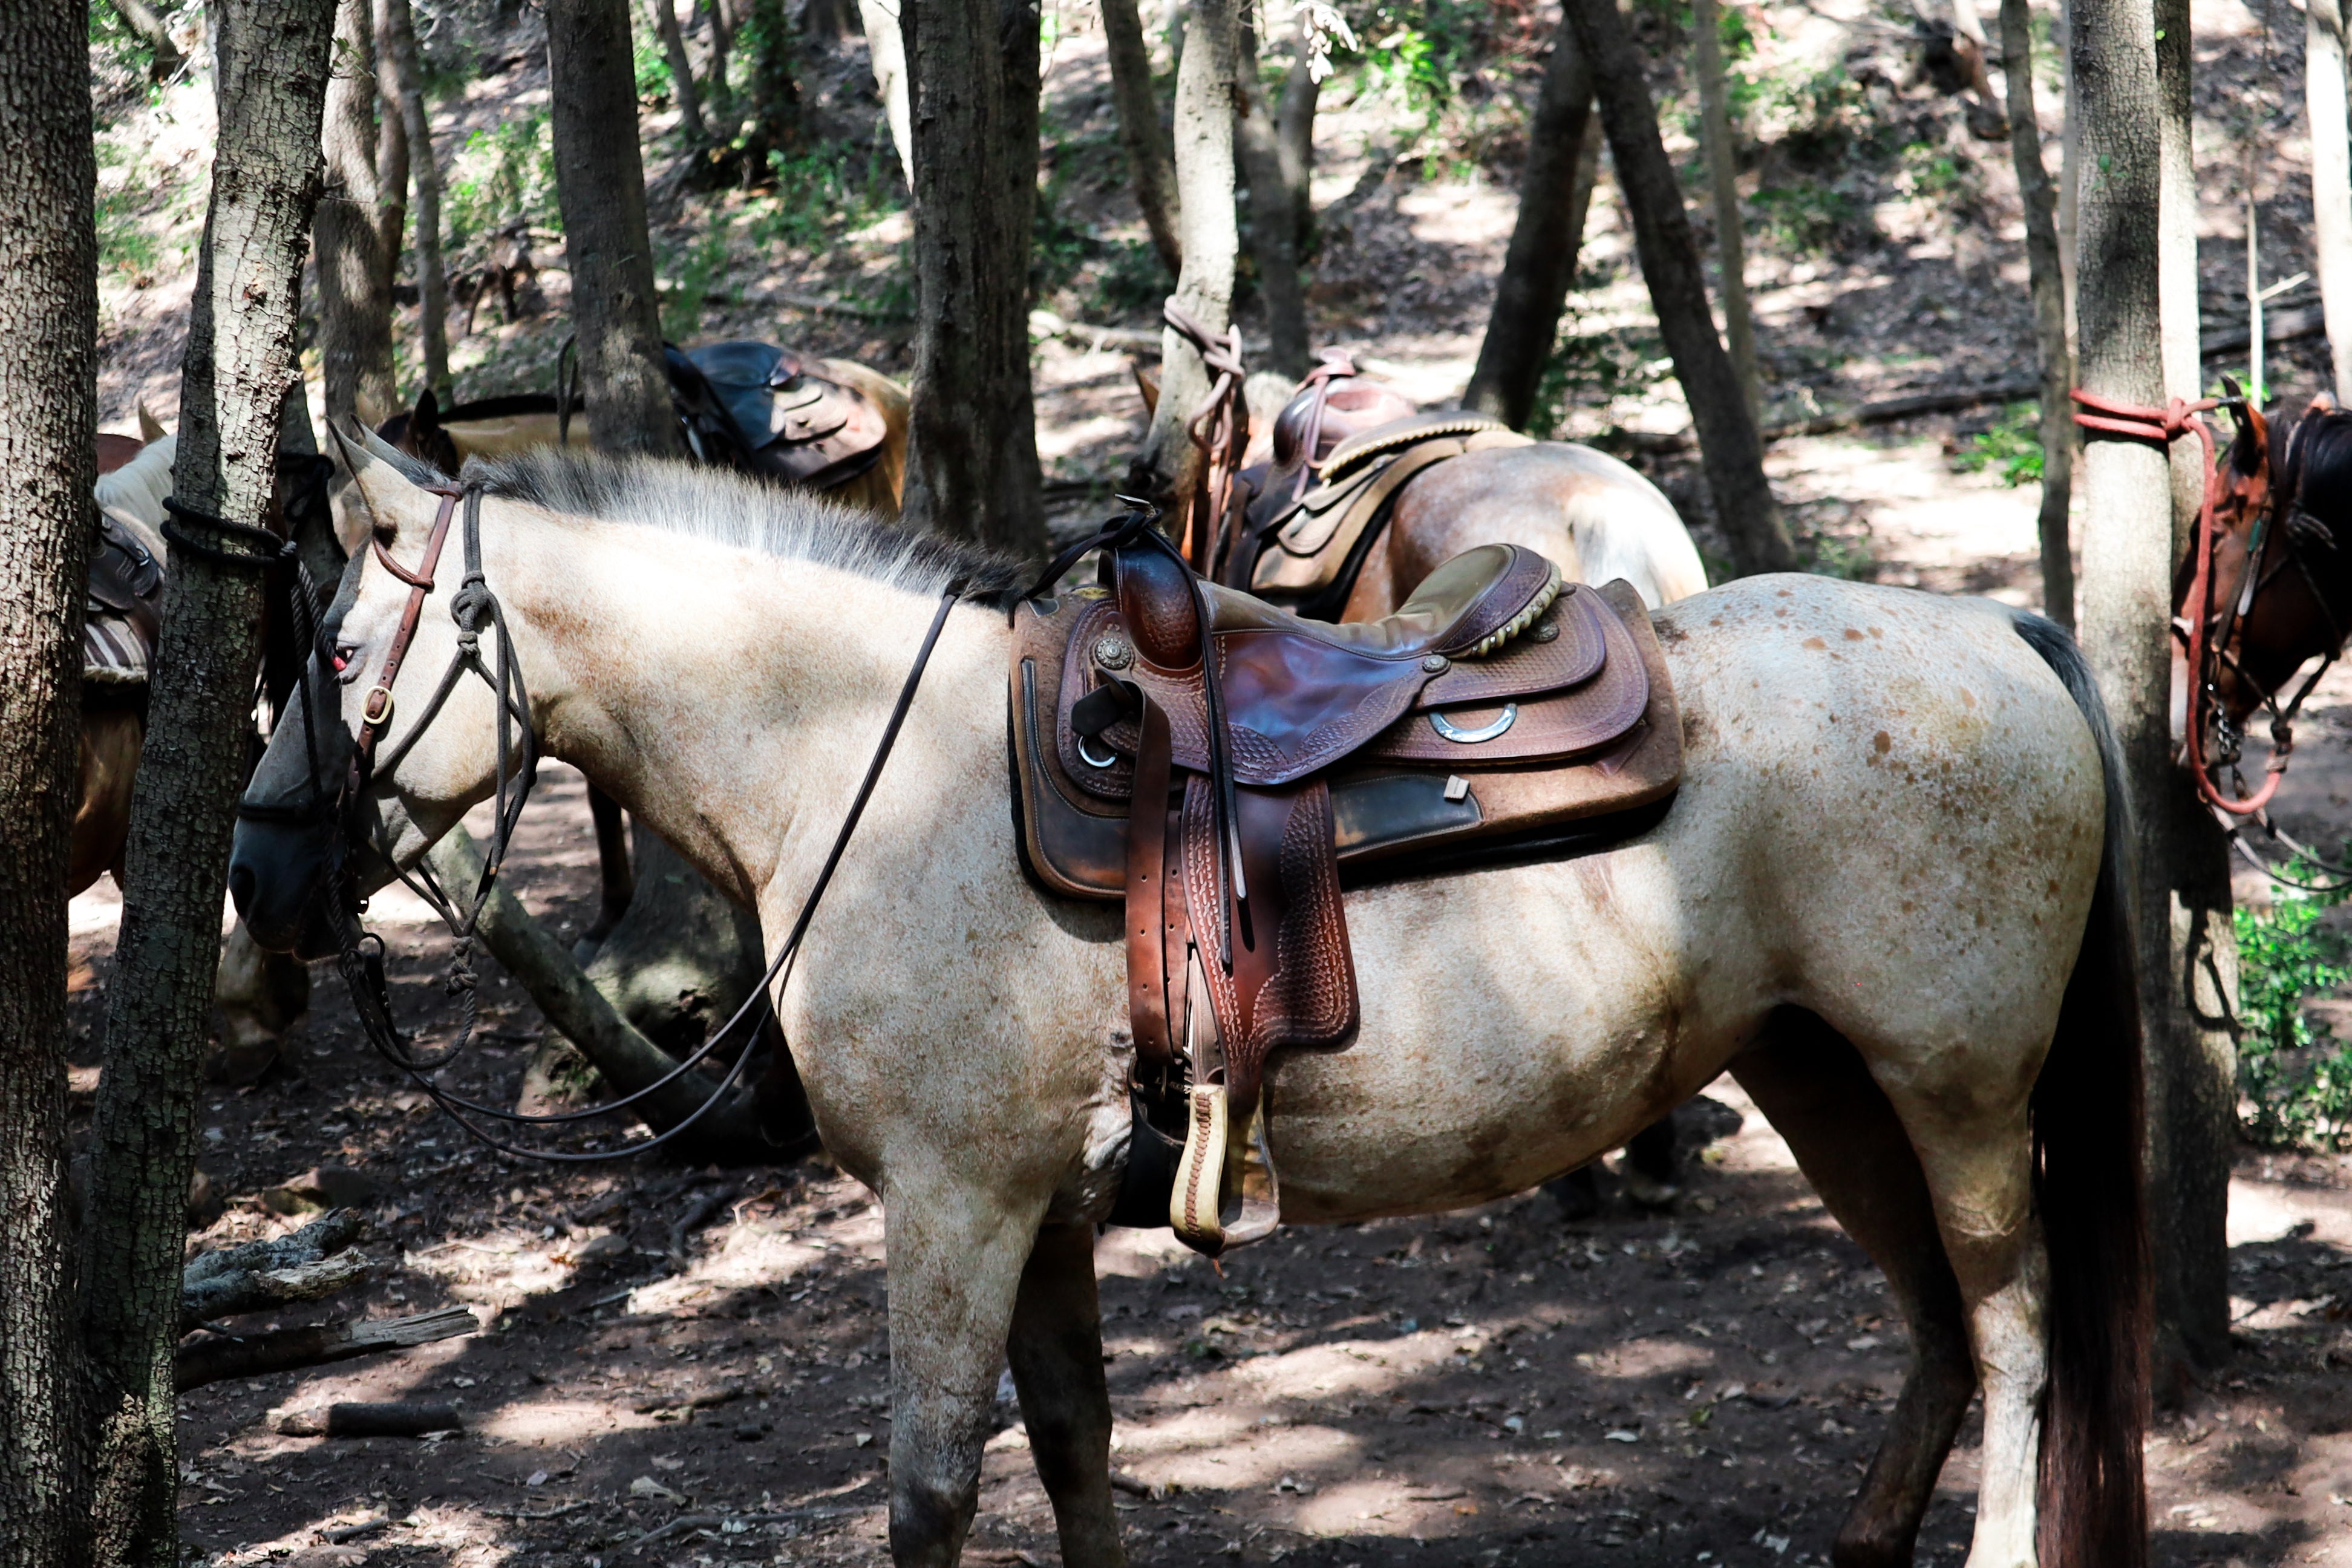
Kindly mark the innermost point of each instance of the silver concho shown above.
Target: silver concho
(1112, 651)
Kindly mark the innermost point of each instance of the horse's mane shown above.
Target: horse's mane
(742, 512)
(2311, 459)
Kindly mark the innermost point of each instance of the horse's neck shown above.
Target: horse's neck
(733, 700)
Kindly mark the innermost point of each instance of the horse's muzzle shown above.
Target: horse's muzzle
(279, 874)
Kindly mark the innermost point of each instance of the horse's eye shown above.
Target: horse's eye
(386, 536)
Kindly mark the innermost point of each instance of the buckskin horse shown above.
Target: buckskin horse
(1928, 990)
(823, 425)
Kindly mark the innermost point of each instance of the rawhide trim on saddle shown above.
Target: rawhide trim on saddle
(1398, 434)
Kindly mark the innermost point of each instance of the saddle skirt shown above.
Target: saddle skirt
(778, 411)
(1498, 715)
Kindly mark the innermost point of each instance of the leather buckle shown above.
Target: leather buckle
(370, 714)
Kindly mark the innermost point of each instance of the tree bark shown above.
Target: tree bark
(773, 116)
(1723, 186)
(1540, 264)
(1729, 449)
(971, 458)
(2048, 287)
(600, 184)
(1150, 164)
(272, 84)
(404, 95)
(2331, 178)
(49, 409)
(354, 269)
(149, 29)
(391, 153)
(1274, 217)
(1294, 120)
(2192, 1053)
(1169, 467)
(681, 73)
(886, 49)
(2126, 564)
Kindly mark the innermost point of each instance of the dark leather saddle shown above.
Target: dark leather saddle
(1227, 769)
(123, 618)
(1344, 448)
(765, 410)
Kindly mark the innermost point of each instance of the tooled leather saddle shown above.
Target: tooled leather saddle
(766, 410)
(1227, 769)
(122, 617)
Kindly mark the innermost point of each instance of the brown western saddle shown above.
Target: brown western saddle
(1227, 769)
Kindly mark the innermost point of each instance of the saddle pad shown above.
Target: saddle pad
(123, 616)
(1412, 430)
(1073, 817)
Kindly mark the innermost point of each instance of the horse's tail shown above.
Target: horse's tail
(2087, 1134)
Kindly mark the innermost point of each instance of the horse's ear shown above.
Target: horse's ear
(1149, 385)
(2252, 447)
(428, 413)
(392, 500)
(150, 428)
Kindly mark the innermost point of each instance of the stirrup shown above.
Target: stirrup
(1226, 1192)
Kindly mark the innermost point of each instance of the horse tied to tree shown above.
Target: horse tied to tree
(1013, 1033)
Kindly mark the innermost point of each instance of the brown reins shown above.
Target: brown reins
(1219, 427)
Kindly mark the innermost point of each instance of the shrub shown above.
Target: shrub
(2294, 1077)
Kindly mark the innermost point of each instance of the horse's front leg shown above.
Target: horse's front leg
(1057, 1366)
(956, 1254)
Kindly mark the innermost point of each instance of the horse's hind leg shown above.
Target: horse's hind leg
(1812, 1085)
(1057, 1366)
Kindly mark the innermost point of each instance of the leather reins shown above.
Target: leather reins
(361, 951)
(1219, 427)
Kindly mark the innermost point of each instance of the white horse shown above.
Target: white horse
(1886, 900)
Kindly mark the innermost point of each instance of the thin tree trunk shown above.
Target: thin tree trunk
(2126, 564)
(149, 29)
(600, 184)
(404, 86)
(2193, 1052)
(1294, 120)
(2049, 291)
(773, 115)
(48, 408)
(391, 152)
(2331, 177)
(718, 85)
(2070, 168)
(681, 73)
(1169, 467)
(1723, 186)
(1540, 264)
(886, 49)
(354, 269)
(971, 458)
(1729, 449)
(271, 85)
(1149, 164)
(1273, 218)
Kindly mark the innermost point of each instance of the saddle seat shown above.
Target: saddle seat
(1499, 714)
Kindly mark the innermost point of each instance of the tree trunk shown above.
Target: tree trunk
(2192, 1060)
(353, 267)
(405, 90)
(1729, 449)
(1540, 264)
(1294, 121)
(2127, 564)
(271, 86)
(1273, 218)
(773, 117)
(600, 183)
(886, 48)
(1169, 467)
(391, 153)
(717, 89)
(681, 74)
(149, 29)
(2049, 291)
(2331, 178)
(1148, 163)
(1723, 186)
(971, 458)
(49, 409)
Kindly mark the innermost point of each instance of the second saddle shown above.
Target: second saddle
(1225, 768)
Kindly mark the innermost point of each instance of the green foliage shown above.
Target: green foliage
(125, 243)
(2011, 447)
(1418, 51)
(824, 191)
(119, 44)
(1594, 367)
(689, 270)
(1805, 217)
(1130, 278)
(503, 176)
(2294, 1077)
(649, 63)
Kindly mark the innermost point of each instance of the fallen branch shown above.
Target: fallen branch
(311, 1263)
(1045, 324)
(541, 1513)
(1885, 411)
(690, 1521)
(397, 1418)
(343, 1533)
(210, 1361)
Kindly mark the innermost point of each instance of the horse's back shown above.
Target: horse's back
(1593, 515)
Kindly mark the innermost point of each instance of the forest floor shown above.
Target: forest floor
(1496, 1387)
